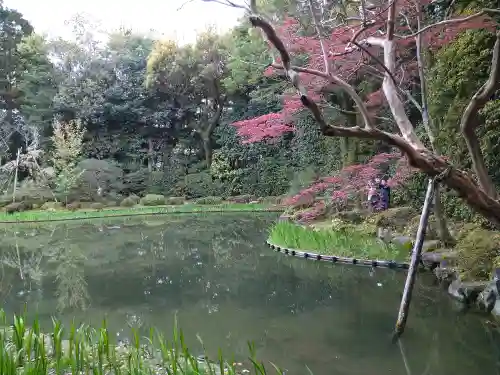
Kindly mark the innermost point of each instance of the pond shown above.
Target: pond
(215, 274)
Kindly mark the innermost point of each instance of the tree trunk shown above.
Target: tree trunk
(207, 148)
(150, 155)
(443, 231)
(442, 226)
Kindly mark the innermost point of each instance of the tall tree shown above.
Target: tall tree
(379, 32)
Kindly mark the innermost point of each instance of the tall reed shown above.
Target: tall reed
(25, 350)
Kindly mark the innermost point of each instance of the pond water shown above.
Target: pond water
(214, 272)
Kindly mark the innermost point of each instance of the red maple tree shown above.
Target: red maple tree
(350, 184)
(380, 37)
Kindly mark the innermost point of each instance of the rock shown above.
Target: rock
(466, 292)
(487, 298)
(441, 258)
(444, 275)
(496, 309)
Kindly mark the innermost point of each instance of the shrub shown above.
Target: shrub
(196, 185)
(73, 206)
(153, 200)
(52, 206)
(208, 200)
(175, 201)
(395, 218)
(17, 207)
(97, 173)
(431, 232)
(136, 182)
(354, 216)
(128, 202)
(478, 253)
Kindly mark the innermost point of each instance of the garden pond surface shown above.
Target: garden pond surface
(215, 273)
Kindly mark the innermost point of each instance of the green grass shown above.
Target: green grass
(61, 215)
(84, 350)
(346, 243)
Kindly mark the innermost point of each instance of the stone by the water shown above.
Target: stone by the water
(466, 292)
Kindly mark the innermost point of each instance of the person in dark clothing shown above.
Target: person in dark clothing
(373, 196)
(385, 194)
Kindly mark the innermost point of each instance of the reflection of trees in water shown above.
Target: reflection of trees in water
(27, 264)
(70, 276)
(28, 252)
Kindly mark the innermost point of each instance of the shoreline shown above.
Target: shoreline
(306, 254)
(61, 215)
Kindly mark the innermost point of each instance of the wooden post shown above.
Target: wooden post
(415, 258)
(15, 175)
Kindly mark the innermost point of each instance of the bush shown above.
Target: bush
(73, 206)
(431, 232)
(196, 185)
(136, 182)
(353, 217)
(395, 218)
(17, 207)
(52, 206)
(478, 254)
(208, 200)
(97, 173)
(153, 200)
(175, 201)
(128, 202)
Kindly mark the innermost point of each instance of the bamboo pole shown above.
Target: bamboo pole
(15, 175)
(415, 258)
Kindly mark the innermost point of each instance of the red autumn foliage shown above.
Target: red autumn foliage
(349, 62)
(350, 182)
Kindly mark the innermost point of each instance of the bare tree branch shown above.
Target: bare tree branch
(469, 122)
(320, 37)
(483, 12)
(292, 72)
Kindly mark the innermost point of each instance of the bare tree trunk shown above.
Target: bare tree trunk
(207, 148)
(443, 231)
(150, 155)
(15, 175)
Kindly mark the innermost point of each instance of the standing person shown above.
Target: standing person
(385, 194)
(373, 196)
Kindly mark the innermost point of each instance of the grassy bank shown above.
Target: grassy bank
(346, 243)
(83, 350)
(61, 215)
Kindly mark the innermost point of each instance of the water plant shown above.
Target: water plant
(84, 350)
(347, 242)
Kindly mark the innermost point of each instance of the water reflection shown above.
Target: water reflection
(213, 271)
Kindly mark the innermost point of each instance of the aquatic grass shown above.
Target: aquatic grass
(84, 350)
(341, 242)
(62, 215)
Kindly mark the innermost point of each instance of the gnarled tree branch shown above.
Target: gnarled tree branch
(470, 121)
(292, 72)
